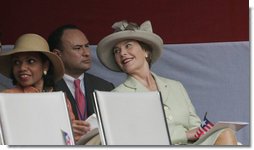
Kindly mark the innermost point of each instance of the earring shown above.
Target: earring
(146, 55)
(45, 72)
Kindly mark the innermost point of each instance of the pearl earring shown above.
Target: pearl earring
(45, 72)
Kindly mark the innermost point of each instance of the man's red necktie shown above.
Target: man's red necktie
(80, 99)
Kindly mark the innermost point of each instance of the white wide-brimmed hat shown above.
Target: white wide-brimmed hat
(31, 43)
(125, 31)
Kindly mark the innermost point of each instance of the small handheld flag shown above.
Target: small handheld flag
(205, 126)
(67, 138)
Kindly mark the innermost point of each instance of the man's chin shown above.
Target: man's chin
(85, 68)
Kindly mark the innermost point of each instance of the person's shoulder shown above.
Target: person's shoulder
(119, 88)
(95, 78)
(59, 84)
(171, 82)
(168, 80)
(11, 90)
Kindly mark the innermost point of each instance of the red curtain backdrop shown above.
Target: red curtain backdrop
(176, 21)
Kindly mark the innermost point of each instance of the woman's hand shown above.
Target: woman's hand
(191, 134)
(80, 128)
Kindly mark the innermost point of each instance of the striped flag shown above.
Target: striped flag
(205, 126)
(67, 138)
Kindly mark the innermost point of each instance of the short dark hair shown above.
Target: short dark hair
(54, 39)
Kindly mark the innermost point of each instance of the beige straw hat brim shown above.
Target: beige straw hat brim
(31, 43)
(106, 45)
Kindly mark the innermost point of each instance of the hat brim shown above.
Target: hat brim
(5, 61)
(105, 46)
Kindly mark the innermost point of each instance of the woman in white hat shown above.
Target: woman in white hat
(132, 49)
(33, 68)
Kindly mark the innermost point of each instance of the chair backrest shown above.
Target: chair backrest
(131, 118)
(35, 119)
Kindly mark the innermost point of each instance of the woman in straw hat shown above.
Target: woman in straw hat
(132, 49)
(33, 68)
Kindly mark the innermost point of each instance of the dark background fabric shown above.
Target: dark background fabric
(176, 21)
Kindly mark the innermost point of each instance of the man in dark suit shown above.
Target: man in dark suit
(72, 46)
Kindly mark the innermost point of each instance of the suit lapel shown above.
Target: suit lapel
(89, 88)
(138, 87)
(132, 83)
(163, 87)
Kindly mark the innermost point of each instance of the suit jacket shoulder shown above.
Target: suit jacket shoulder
(94, 82)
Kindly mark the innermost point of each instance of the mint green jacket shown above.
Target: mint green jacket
(180, 113)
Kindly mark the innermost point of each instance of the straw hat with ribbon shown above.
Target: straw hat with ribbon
(123, 31)
(31, 43)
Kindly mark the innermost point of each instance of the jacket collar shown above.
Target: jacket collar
(134, 84)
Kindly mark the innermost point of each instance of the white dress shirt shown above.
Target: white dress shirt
(70, 83)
